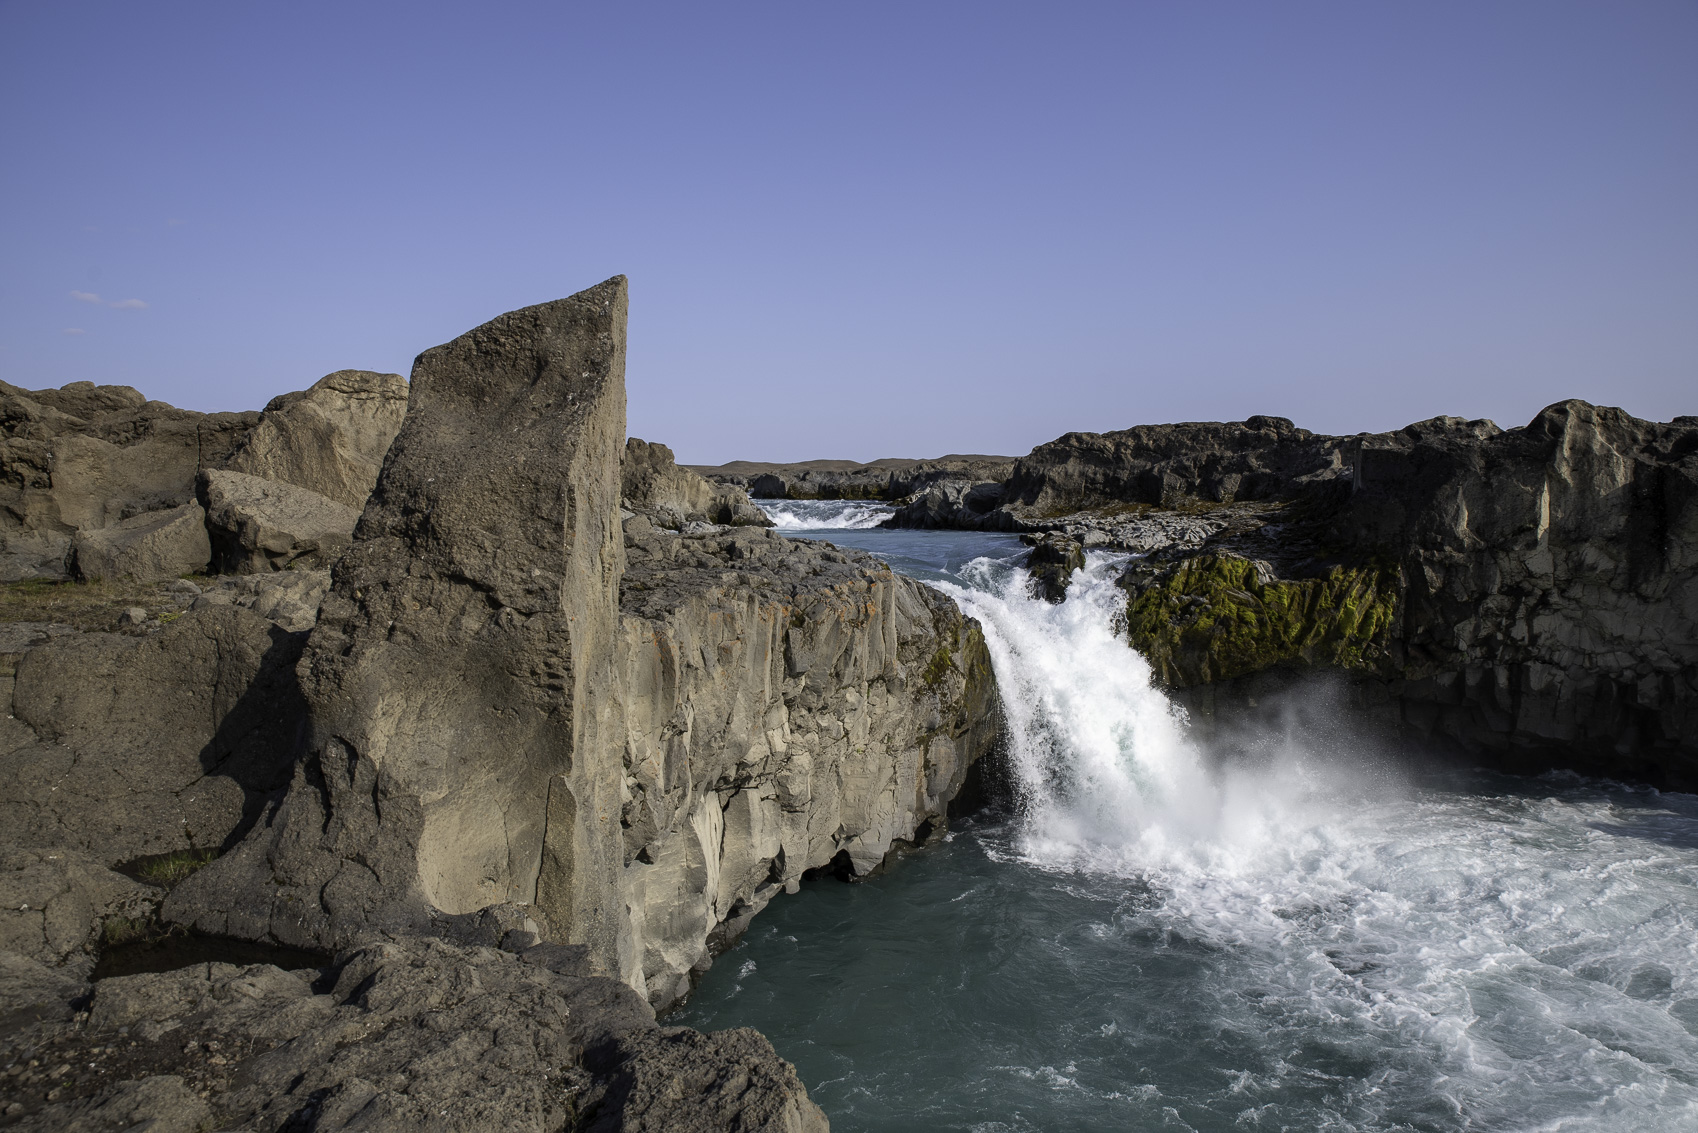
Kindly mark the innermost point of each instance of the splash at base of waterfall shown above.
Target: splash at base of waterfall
(1314, 942)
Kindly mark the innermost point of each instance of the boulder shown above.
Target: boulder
(1051, 564)
(85, 457)
(258, 525)
(52, 903)
(956, 504)
(459, 680)
(152, 547)
(331, 438)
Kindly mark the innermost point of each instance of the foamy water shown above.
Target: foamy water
(825, 515)
(1320, 941)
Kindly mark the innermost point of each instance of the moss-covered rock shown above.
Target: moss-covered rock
(1215, 617)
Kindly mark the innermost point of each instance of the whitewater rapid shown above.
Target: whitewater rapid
(1316, 939)
(825, 515)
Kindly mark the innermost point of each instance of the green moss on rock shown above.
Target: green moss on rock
(1215, 617)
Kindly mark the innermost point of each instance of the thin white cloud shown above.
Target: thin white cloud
(75, 330)
(85, 296)
(128, 305)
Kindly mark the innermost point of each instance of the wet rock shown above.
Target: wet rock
(151, 547)
(260, 525)
(1051, 564)
(330, 438)
(956, 504)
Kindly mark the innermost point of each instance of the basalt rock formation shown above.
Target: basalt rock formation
(1530, 595)
(786, 706)
(888, 479)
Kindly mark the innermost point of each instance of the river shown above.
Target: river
(1319, 937)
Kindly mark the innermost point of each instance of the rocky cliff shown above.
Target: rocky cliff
(1528, 595)
(786, 707)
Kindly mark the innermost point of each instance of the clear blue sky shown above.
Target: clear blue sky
(871, 229)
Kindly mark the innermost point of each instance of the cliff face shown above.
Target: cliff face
(1529, 595)
(786, 706)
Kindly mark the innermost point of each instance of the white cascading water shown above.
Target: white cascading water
(1313, 939)
(826, 515)
(1519, 952)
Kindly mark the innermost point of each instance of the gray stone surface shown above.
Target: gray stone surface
(151, 547)
(651, 482)
(259, 525)
(1051, 564)
(119, 746)
(955, 504)
(784, 703)
(460, 676)
(412, 1035)
(52, 903)
(331, 438)
(86, 457)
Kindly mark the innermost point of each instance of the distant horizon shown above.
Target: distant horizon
(886, 229)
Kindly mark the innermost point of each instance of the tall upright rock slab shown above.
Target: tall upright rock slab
(459, 678)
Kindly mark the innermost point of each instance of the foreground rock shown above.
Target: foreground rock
(1529, 595)
(86, 457)
(330, 439)
(407, 1035)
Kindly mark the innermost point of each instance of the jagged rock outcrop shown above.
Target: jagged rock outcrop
(397, 1035)
(1162, 465)
(85, 457)
(953, 504)
(330, 438)
(154, 546)
(1051, 564)
(459, 680)
(650, 481)
(786, 705)
(1529, 596)
(892, 478)
(256, 525)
